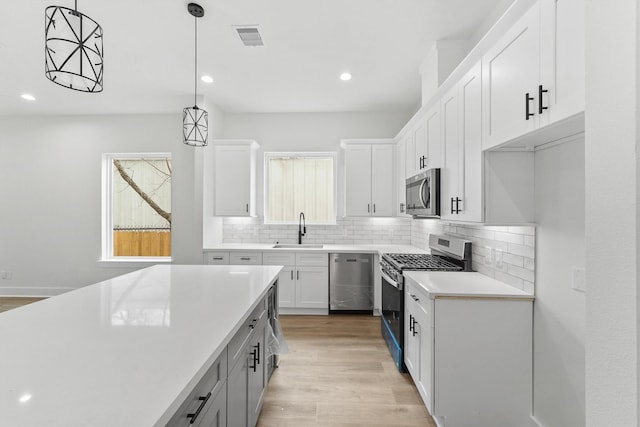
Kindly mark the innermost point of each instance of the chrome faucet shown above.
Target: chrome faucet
(302, 230)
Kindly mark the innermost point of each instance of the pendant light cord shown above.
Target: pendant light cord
(195, 67)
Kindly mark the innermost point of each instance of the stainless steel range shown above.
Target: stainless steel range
(447, 254)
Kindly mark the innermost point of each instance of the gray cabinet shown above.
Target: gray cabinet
(247, 377)
(216, 414)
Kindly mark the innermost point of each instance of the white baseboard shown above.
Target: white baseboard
(32, 291)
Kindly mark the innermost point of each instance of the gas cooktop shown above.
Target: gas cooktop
(421, 262)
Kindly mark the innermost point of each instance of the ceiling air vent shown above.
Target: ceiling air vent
(250, 36)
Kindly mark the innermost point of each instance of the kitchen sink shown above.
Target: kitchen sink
(298, 246)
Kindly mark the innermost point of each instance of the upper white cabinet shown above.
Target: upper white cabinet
(511, 73)
(534, 75)
(462, 173)
(369, 178)
(423, 143)
(235, 177)
(562, 58)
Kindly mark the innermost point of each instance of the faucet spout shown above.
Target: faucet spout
(302, 229)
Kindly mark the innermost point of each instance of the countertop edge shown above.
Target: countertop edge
(184, 393)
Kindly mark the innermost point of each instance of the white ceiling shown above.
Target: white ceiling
(149, 54)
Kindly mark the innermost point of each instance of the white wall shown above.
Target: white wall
(50, 187)
(559, 310)
(611, 218)
(308, 132)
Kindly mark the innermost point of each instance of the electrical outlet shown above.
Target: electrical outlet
(6, 275)
(498, 258)
(488, 256)
(578, 279)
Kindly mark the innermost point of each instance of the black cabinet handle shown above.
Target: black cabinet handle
(217, 258)
(368, 208)
(204, 400)
(527, 99)
(255, 363)
(401, 207)
(541, 108)
(415, 332)
(257, 347)
(247, 207)
(245, 259)
(452, 210)
(458, 200)
(374, 208)
(297, 274)
(410, 323)
(291, 274)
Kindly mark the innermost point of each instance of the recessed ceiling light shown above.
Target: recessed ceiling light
(345, 76)
(207, 79)
(28, 97)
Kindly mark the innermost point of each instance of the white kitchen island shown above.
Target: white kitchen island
(127, 351)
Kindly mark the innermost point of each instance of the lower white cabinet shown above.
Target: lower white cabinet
(303, 284)
(470, 358)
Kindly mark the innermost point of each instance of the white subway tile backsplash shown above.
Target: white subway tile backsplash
(516, 243)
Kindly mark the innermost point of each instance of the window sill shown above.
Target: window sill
(137, 262)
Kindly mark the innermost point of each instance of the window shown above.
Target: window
(136, 206)
(300, 182)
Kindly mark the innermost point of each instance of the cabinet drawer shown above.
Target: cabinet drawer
(216, 258)
(278, 258)
(208, 388)
(421, 298)
(249, 258)
(241, 338)
(312, 259)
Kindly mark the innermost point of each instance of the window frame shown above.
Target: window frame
(107, 203)
(303, 154)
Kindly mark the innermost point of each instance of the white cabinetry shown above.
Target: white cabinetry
(235, 177)
(369, 178)
(422, 142)
(470, 358)
(534, 75)
(233, 258)
(462, 173)
(303, 284)
(562, 57)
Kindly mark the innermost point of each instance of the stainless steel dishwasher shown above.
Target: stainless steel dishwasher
(350, 283)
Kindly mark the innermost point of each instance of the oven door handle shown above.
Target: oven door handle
(391, 281)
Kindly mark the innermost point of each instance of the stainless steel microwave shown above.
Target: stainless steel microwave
(423, 194)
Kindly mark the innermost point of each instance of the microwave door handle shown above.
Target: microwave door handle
(420, 193)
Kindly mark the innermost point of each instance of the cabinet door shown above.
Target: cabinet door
(312, 287)
(470, 178)
(256, 376)
(216, 414)
(421, 142)
(358, 180)
(450, 175)
(237, 393)
(410, 356)
(287, 287)
(382, 180)
(562, 49)
(434, 143)
(426, 379)
(233, 180)
(411, 159)
(401, 173)
(510, 72)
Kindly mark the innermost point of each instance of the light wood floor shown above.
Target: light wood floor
(7, 303)
(339, 373)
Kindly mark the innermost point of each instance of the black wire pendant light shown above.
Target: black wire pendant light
(73, 49)
(195, 120)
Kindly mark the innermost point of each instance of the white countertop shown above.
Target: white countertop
(123, 352)
(463, 284)
(345, 248)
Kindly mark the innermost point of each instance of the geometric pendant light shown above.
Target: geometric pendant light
(73, 49)
(195, 121)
